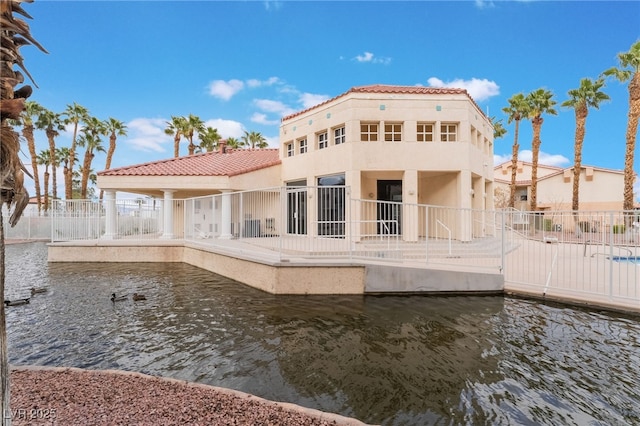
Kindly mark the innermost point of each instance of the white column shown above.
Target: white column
(110, 227)
(225, 216)
(409, 209)
(465, 193)
(167, 205)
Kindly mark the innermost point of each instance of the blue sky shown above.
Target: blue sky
(242, 65)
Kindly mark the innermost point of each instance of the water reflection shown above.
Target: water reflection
(389, 360)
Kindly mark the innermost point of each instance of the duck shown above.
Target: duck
(37, 290)
(16, 302)
(137, 296)
(115, 298)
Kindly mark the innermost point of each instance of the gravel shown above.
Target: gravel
(72, 396)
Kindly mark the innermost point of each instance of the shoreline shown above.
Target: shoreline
(69, 395)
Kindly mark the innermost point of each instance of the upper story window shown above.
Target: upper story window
(302, 146)
(448, 132)
(338, 135)
(424, 132)
(392, 132)
(289, 148)
(368, 132)
(323, 140)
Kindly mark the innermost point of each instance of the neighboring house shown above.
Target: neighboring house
(600, 189)
(402, 144)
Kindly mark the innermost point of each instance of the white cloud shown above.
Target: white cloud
(225, 89)
(261, 118)
(272, 4)
(277, 107)
(147, 134)
(253, 83)
(370, 57)
(226, 128)
(479, 89)
(483, 4)
(556, 160)
(309, 100)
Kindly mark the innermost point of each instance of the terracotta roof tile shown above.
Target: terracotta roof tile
(231, 163)
(383, 88)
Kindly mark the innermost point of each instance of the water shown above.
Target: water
(388, 360)
(627, 259)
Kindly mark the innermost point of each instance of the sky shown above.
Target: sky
(242, 65)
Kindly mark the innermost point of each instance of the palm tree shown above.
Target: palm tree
(209, 139)
(539, 102)
(114, 128)
(64, 157)
(233, 143)
(44, 159)
(629, 65)
(75, 114)
(51, 123)
(254, 139)
(192, 124)
(498, 129)
(175, 128)
(14, 34)
(90, 140)
(580, 99)
(516, 111)
(31, 110)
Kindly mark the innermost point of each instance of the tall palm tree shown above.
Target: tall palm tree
(580, 99)
(31, 110)
(192, 124)
(516, 111)
(539, 102)
(114, 128)
(64, 158)
(74, 114)
(209, 139)
(175, 128)
(629, 65)
(44, 159)
(51, 123)
(90, 140)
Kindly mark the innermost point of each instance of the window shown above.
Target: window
(338, 135)
(448, 132)
(369, 132)
(323, 140)
(302, 145)
(289, 148)
(425, 132)
(392, 132)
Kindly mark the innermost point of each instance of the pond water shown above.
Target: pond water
(411, 360)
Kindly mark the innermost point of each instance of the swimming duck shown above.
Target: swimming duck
(137, 296)
(36, 290)
(16, 302)
(115, 298)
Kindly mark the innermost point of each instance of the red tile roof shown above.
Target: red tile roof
(231, 163)
(383, 88)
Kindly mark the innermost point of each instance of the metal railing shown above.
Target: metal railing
(588, 254)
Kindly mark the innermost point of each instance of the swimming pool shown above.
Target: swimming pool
(627, 259)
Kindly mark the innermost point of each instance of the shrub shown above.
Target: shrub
(618, 229)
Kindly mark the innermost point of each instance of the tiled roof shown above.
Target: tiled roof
(383, 88)
(231, 163)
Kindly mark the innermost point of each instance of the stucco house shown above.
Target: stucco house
(600, 189)
(391, 145)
